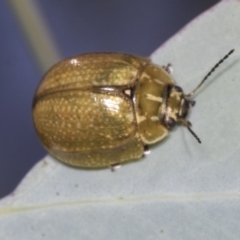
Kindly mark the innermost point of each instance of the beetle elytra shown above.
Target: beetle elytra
(99, 109)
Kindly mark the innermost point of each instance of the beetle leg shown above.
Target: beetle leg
(146, 150)
(168, 68)
(192, 102)
(115, 166)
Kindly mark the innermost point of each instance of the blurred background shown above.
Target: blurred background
(75, 27)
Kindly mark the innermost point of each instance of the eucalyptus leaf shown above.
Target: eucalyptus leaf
(182, 190)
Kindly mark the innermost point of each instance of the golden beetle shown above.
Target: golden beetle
(101, 109)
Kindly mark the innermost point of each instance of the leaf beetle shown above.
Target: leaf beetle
(99, 110)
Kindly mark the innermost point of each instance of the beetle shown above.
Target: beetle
(98, 110)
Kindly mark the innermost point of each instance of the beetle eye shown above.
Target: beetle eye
(171, 122)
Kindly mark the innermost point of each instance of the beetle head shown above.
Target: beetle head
(176, 105)
(176, 108)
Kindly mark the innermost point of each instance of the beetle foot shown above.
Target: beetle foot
(115, 166)
(192, 102)
(146, 150)
(168, 68)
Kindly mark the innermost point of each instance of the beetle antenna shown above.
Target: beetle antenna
(194, 134)
(188, 125)
(209, 73)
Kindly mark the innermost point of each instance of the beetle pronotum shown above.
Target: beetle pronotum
(101, 109)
